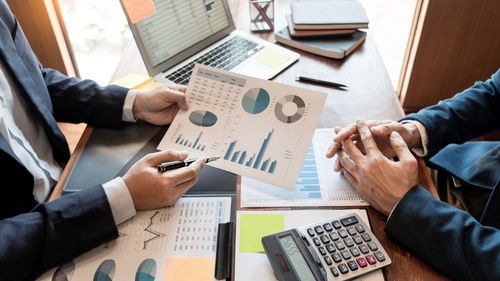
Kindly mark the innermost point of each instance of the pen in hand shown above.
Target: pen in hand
(167, 166)
(318, 81)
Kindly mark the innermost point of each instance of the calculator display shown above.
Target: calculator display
(296, 258)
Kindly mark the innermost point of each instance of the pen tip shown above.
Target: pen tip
(297, 77)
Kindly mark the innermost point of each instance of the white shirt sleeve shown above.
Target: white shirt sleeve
(119, 199)
(128, 114)
(420, 152)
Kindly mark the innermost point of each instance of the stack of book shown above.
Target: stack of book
(325, 28)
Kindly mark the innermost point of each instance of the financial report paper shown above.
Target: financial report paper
(260, 129)
(317, 184)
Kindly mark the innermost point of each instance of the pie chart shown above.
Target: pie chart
(290, 109)
(65, 272)
(255, 100)
(146, 271)
(105, 271)
(202, 118)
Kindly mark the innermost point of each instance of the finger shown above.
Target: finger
(366, 137)
(360, 146)
(335, 146)
(185, 174)
(179, 87)
(347, 164)
(352, 150)
(165, 156)
(350, 177)
(345, 133)
(400, 147)
(384, 128)
(337, 167)
(180, 190)
(177, 97)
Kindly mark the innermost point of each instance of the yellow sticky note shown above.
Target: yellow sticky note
(138, 10)
(271, 58)
(254, 226)
(189, 269)
(132, 80)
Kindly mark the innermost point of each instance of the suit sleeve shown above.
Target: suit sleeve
(54, 233)
(78, 101)
(469, 114)
(447, 238)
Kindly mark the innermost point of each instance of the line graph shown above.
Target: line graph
(156, 234)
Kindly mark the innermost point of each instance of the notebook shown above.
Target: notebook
(331, 47)
(315, 33)
(329, 15)
(181, 33)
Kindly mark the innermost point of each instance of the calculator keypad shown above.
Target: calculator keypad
(347, 247)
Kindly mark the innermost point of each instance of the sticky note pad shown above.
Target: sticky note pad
(132, 80)
(254, 226)
(271, 58)
(189, 269)
(138, 10)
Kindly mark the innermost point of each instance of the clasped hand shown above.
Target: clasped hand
(363, 154)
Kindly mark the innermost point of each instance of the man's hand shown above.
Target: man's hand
(381, 131)
(381, 181)
(151, 189)
(159, 106)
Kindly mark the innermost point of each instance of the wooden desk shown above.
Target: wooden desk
(370, 95)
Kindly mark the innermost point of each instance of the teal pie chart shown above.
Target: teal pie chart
(255, 100)
(105, 271)
(202, 118)
(146, 271)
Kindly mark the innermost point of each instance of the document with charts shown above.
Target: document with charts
(317, 184)
(260, 129)
(152, 241)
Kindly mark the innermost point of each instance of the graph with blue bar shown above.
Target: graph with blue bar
(307, 186)
(195, 144)
(256, 161)
(208, 4)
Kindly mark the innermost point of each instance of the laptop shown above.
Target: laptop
(182, 33)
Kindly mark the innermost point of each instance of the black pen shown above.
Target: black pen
(167, 166)
(323, 82)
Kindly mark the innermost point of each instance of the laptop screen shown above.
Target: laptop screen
(177, 25)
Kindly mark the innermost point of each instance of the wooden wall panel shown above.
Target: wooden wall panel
(45, 32)
(458, 43)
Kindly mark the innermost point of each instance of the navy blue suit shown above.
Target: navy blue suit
(35, 237)
(447, 238)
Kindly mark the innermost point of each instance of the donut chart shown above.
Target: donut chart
(285, 118)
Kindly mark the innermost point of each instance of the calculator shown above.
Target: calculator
(339, 248)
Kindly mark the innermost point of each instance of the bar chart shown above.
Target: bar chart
(255, 162)
(191, 144)
(258, 128)
(306, 188)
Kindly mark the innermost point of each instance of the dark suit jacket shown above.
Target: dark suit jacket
(447, 238)
(35, 237)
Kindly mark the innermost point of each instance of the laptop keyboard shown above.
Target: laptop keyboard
(226, 56)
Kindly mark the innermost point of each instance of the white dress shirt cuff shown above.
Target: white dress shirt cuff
(422, 151)
(128, 114)
(119, 199)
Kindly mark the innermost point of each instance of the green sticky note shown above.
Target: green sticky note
(132, 80)
(254, 226)
(271, 58)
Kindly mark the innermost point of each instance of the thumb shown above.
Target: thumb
(178, 97)
(400, 147)
(383, 129)
(165, 156)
